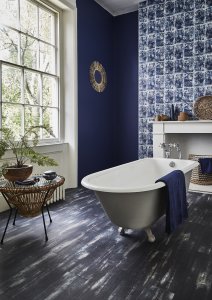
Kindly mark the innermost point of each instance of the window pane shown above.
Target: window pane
(50, 118)
(29, 48)
(9, 12)
(31, 88)
(28, 16)
(11, 84)
(32, 116)
(11, 118)
(28, 52)
(8, 45)
(46, 26)
(50, 94)
(47, 58)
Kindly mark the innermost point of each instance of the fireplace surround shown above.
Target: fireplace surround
(194, 137)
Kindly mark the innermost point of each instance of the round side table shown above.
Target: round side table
(29, 200)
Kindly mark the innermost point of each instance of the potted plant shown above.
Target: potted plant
(23, 150)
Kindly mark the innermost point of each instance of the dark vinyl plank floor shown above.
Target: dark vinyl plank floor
(85, 257)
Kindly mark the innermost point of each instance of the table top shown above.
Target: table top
(41, 185)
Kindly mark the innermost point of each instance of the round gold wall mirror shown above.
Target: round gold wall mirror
(98, 77)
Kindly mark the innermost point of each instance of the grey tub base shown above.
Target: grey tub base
(138, 210)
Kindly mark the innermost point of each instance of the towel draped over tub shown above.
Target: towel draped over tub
(176, 204)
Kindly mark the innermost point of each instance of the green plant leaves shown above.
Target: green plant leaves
(23, 149)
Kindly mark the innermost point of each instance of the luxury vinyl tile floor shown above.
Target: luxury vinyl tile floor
(86, 259)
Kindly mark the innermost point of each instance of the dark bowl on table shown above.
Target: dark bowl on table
(49, 175)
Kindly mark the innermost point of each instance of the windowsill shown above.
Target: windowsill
(53, 143)
(43, 148)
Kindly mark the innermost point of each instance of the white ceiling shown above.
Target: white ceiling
(119, 7)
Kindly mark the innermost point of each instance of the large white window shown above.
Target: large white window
(29, 66)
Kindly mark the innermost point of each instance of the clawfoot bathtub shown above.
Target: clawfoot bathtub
(129, 194)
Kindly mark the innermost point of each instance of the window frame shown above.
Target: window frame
(49, 7)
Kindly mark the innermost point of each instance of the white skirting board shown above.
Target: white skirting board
(205, 189)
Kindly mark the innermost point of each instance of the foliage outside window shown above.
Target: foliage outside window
(29, 78)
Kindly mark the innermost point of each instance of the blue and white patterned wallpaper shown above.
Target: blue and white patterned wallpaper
(175, 59)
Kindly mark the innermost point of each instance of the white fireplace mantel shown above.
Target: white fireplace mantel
(194, 137)
(201, 126)
(162, 128)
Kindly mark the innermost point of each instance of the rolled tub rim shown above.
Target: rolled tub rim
(98, 188)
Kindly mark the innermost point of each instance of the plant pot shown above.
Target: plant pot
(17, 174)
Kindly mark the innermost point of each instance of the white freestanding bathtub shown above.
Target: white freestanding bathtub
(129, 194)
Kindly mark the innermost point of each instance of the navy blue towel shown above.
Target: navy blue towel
(206, 165)
(176, 204)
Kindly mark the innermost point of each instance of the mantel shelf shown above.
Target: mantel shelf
(196, 126)
(182, 122)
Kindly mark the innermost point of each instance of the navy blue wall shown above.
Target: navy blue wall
(126, 86)
(107, 126)
(95, 110)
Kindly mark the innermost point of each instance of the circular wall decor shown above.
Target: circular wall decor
(98, 77)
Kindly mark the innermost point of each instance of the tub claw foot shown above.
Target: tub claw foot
(121, 230)
(150, 235)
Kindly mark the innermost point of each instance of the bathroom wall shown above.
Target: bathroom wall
(175, 59)
(108, 121)
(95, 110)
(125, 80)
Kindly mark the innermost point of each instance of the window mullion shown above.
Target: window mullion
(19, 34)
(19, 13)
(38, 31)
(58, 109)
(58, 68)
(56, 42)
(41, 102)
(19, 49)
(0, 95)
(23, 102)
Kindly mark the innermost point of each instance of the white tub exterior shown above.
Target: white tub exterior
(129, 194)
